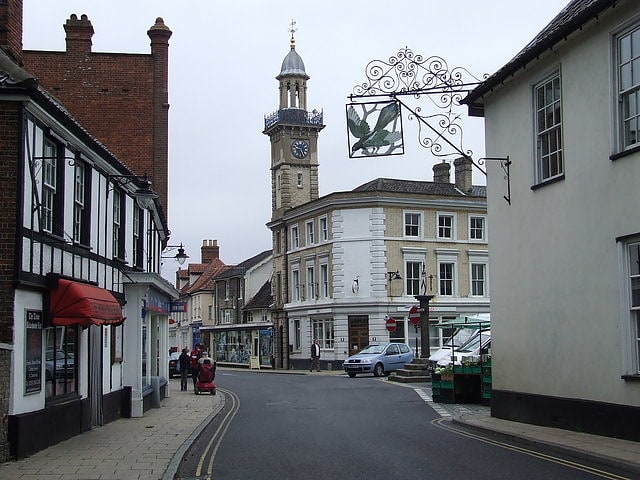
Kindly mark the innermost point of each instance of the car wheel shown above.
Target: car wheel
(351, 374)
(378, 371)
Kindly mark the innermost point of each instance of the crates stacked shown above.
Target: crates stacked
(442, 389)
(486, 383)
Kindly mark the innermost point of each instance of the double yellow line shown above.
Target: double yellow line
(446, 425)
(216, 439)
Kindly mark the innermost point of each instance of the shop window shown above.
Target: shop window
(61, 370)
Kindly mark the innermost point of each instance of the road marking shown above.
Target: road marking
(217, 437)
(445, 424)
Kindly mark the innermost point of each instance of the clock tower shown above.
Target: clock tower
(293, 132)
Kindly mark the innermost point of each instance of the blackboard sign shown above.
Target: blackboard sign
(33, 352)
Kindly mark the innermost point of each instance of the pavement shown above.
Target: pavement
(151, 447)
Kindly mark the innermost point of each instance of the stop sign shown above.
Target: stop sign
(391, 324)
(414, 315)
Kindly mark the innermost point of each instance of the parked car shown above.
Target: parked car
(173, 364)
(470, 351)
(379, 359)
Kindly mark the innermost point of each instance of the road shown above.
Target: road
(308, 427)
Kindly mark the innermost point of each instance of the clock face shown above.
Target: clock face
(299, 148)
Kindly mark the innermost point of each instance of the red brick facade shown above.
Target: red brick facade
(122, 99)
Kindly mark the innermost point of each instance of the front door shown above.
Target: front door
(358, 333)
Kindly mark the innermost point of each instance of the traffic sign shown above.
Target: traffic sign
(414, 315)
(391, 324)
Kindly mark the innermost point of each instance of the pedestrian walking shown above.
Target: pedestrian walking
(315, 356)
(184, 361)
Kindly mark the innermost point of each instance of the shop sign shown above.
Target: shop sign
(33, 352)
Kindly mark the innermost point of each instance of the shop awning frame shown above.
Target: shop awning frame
(76, 303)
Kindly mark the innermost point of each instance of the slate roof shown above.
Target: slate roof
(571, 18)
(262, 299)
(240, 269)
(419, 187)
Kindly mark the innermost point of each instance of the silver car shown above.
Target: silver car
(379, 359)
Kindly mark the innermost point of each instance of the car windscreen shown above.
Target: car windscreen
(372, 349)
(474, 343)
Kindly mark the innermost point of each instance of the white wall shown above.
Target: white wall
(554, 266)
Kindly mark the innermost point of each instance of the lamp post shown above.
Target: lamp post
(424, 324)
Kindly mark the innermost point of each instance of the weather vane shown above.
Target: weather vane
(292, 29)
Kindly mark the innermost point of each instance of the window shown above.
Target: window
(277, 242)
(445, 279)
(324, 280)
(295, 238)
(137, 247)
(299, 180)
(323, 331)
(477, 228)
(60, 367)
(311, 285)
(310, 233)
(296, 334)
(49, 185)
(628, 57)
(478, 279)
(548, 129)
(324, 229)
(413, 273)
(249, 316)
(295, 284)
(117, 223)
(412, 224)
(633, 268)
(445, 226)
(78, 201)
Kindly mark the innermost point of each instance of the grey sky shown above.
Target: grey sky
(223, 59)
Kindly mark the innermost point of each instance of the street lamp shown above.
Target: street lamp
(179, 257)
(145, 197)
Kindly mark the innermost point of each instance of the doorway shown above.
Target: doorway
(358, 333)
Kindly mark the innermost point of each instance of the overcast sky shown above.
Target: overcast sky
(223, 60)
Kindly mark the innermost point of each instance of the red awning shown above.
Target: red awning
(74, 303)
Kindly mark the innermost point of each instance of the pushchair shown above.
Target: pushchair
(206, 376)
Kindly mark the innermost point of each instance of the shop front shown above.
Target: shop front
(243, 345)
(62, 339)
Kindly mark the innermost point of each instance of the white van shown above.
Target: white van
(479, 343)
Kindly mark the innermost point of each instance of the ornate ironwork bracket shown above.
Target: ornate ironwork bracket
(505, 164)
(410, 75)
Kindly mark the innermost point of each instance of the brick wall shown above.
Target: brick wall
(9, 121)
(120, 98)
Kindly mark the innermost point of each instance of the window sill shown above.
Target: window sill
(624, 153)
(631, 378)
(547, 182)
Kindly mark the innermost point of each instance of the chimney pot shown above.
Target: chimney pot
(441, 172)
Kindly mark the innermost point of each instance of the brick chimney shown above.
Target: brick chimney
(209, 251)
(160, 34)
(79, 33)
(463, 174)
(441, 172)
(11, 29)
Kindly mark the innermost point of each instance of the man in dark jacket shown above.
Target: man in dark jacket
(315, 356)
(185, 366)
